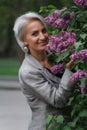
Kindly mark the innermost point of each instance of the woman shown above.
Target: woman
(45, 92)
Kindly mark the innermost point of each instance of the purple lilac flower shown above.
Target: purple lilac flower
(59, 21)
(74, 56)
(55, 38)
(57, 13)
(81, 3)
(57, 69)
(85, 3)
(68, 16)
(81, 55)
(59, 43)
(50, 46)
(50, 20)
(78, 2)
(67, 39)
(83, 89)
(78, 75)
(70, 36)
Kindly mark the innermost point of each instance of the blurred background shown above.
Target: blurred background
(14, 111)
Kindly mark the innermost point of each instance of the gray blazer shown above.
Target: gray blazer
(45, 92)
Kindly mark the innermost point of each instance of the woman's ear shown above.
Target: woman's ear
(25, 43)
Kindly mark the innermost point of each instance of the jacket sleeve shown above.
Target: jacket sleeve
(42, 89)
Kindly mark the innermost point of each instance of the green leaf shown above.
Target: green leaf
(70, 100)
(62, 56)
(84, 80)
(66, 128)
(60, 119)
(83, 113)
(85, 26)
(79, 128)
(78, 44)
(49, 119)
(65, 12)
(83, 36)
(74, 7)
(73, 123)
(52, 7)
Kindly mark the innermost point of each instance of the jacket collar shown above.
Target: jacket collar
(34, 62)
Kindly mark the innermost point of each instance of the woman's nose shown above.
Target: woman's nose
(42, 36)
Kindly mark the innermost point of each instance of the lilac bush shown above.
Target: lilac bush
(68, 41)
(64, 42)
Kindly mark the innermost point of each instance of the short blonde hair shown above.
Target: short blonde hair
(20, 24)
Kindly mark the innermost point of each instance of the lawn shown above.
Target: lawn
(9, 67)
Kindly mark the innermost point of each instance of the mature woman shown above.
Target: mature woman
(45, 92)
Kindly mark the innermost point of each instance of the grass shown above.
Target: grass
(9, 67)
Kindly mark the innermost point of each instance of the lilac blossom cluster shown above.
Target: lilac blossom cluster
(59, 21)
(81, 55)
(81, 3)
(59, 43)
(78, 75)
(83, 89)
(57, 69)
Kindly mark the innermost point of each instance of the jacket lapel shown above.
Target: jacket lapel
(45, 72)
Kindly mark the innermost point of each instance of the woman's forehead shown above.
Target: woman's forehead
(34, 24)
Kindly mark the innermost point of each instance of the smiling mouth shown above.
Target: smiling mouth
(43, 42)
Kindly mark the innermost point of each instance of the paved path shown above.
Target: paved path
(15, 113)
(9, 83)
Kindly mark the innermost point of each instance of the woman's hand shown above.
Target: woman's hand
(70, 65)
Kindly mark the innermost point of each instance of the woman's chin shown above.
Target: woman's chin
(43, 48)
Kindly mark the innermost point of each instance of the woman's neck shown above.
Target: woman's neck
(43, 59)
(40, 56)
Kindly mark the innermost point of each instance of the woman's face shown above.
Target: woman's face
(36, 36)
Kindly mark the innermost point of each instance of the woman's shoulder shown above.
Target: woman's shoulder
(29, 68)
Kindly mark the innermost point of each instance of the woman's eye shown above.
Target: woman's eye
(35, 33)
(44, 30)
